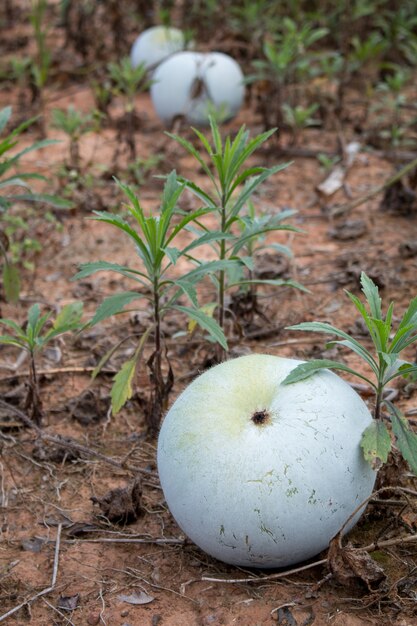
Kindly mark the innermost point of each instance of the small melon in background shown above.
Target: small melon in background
(155, 44)
(260, 474)
(194, 85)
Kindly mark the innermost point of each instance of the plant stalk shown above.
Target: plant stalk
(33, 399)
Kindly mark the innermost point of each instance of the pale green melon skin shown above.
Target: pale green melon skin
(267, 495)
(174, 81)
(155, 44)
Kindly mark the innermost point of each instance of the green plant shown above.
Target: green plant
(153, 238)
(253, 20)
(384, 362)
(398, 27)
(128, 81)
(253, 248)
(233, 184)
(390, 122)
(140, 169)
(33, 337)
(327, 162)
(287, 56)
(299, 117)
(75, 124)
(10, 180)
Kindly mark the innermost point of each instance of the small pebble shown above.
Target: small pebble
(93, 619)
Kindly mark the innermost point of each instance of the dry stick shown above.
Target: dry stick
(157, 540)
(340, 210)
(57, 370)
(44, 591)
(70, 443)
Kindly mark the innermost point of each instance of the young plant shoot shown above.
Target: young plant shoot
(233, 184)
(153, 237)
(33, 337)
(385, 364)
(10, 180)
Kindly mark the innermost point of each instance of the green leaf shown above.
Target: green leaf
(206, 322)
(69, 318)
(11, 282)
(406, 438)
(104, 266)
(376, 444)
(210, 267)
(122, 386)
(14, 326)
(173, 254)
(9, 340)
(190, 148)
(324, 327)
(114, 305)
(189, 290)
(276, 282)
(33, 315)
(251, 185)
(5, 114)
(372, 296)
(305, 370)
(122, 224)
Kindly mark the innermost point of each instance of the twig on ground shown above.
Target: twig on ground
(259, 579)
(345, 208)
(71, 444)
(56, 370)
(44, 591)
(68, 622)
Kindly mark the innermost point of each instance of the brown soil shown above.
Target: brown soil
(122, 559)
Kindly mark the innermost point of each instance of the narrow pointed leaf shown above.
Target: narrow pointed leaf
(305, 370)
(173, 254)
(14, 326)
(372, 296)
(114, 305)
(205, 322)
(69, 316)
(189, 290)
(11, 282)
(86, 269)
(122, 389)
(9, 340)
(276, 282)
(5, 114)
(406, 438)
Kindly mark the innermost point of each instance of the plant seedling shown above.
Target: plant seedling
(128, 82)
(233, 185)
(9, 178)
(33, 337)
(153, 238)
(74, 124)
(299, 118)
(385, 364)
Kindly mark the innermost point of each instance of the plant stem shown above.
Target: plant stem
(155, 365)
(33, 400)
(222, 273)
(378, 402)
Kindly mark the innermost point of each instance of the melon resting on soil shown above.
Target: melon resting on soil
(262, 474)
